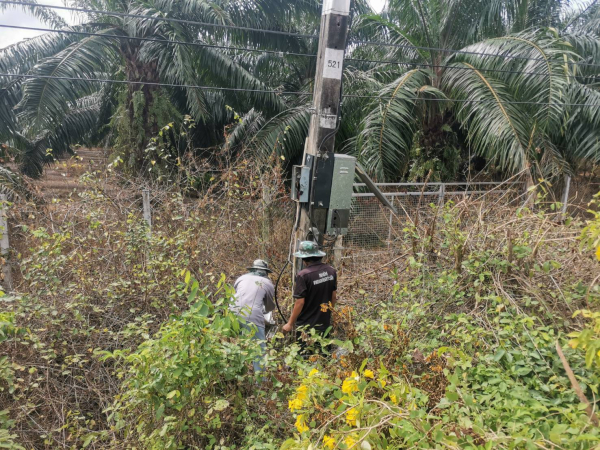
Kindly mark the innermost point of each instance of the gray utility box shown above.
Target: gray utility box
(332, 191)
(340, 200)
(300, 184)
(301, 180)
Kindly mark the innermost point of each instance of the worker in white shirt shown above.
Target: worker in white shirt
(254, 294)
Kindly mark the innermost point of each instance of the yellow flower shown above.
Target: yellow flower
(301, 424)
(394, 399)
(349, 386)
(350, 442)
(295, 404)
(369, 374)
(313, 372)
(598, 253)
(351, 416)
(328, 442)
(382, 382)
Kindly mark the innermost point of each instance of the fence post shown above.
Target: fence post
(441, 195)
(337, 251)
(147, 210)
(4, 245)
(565, 198)
(389, 239)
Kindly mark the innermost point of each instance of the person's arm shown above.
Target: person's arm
(334, 294)
(269, 298)
(300, 292)
(295, 313)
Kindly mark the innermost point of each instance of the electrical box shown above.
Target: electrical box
(300, 183)
(340, 200)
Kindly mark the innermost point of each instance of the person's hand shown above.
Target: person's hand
(287, 328)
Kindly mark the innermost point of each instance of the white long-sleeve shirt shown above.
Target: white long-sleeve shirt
(254, 296)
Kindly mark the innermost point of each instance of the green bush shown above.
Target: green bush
(187, 387)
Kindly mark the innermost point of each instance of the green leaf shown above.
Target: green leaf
(172, 394)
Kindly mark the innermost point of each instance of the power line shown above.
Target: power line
(162, 41)
(459, 52)
(149, 83)
(162, 19)
(300, 93)
(274, 52)
(442, 66)
(282, 33)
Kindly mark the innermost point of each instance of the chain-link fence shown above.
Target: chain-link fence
(374, 229)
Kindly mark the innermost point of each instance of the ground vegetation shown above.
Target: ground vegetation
(119, 336)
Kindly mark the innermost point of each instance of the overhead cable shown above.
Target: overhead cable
(162, 19)
(272, 52)
(458, 52)
(162, 41)
(442, 66)
(300, 93)
(283, 33)
(149, 83)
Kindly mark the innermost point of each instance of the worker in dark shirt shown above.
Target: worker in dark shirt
(314, 290)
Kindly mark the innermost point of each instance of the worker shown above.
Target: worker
(315, 291)
(254, 293)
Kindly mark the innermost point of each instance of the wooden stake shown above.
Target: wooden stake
(147, 209)
(5, 246)
(576, 387)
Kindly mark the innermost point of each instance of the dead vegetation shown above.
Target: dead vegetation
(91, 276)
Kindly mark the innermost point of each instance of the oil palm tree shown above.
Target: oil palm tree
(512, 84)
(39, 113)
(510, 93)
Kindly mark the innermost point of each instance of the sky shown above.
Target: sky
(14, 16)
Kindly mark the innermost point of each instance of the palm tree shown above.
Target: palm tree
(507, 95)
(38, 113)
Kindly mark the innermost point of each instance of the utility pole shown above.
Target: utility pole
(318, 151)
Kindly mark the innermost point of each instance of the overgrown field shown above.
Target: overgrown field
(120, 337)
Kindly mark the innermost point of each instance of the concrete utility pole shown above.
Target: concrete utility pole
(318, 151)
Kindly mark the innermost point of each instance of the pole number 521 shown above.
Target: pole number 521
(333, 63)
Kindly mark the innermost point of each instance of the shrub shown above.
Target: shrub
(188, 386)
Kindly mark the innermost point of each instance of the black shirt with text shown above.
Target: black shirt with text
(316, 285)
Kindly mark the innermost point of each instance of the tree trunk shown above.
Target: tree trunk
(140, 98)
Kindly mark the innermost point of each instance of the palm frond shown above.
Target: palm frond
(45, 15)
(244, 130)
(14, 186)
(539, 52)
(498, 129)
(77, 125)
(283, 134)
(384, 143)
(582, 130)
(46, 101)
(22, 56)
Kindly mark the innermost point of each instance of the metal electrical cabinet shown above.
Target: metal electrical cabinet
(301, 181)
(340, 201)
(334, 183)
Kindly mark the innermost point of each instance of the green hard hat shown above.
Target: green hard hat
(308, 249)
